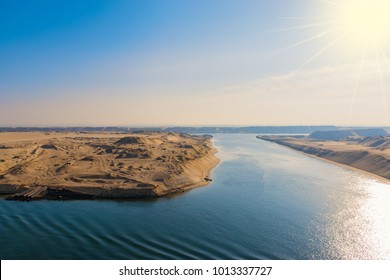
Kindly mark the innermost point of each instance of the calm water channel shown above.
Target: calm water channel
(265, 202)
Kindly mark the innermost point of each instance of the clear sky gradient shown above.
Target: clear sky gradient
(141, 63)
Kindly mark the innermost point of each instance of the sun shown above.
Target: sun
(346, 32)
(345, 26)
(365, 22)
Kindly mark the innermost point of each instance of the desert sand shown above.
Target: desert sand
(369, 154)
(103, 165)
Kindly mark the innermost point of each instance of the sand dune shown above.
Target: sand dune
(105, 164)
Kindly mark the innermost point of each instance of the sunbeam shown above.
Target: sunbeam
(316, 55)
(382, 88)
(329, 2)
(358, 31)
(315, 37)
(305, 26)
(356, 86)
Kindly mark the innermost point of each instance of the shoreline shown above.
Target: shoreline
(207, 175)
(331, 161)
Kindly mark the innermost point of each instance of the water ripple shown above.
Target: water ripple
(265, 202)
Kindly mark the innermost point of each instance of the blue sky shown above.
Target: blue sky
(169, 63)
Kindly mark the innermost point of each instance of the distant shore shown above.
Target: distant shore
(364, 156)
(60, 165)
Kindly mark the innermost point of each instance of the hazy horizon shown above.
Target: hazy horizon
(195, 63)
(191, 126)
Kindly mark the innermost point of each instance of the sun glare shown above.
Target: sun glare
(364, 22)
(355, 32)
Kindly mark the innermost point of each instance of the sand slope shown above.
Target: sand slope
(371, 154)
(105, 164)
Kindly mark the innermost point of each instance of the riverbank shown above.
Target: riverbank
(371, 155)
(103, 165)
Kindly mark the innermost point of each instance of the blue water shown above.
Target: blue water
(265, 202)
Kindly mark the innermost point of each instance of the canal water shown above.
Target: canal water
(265, 202)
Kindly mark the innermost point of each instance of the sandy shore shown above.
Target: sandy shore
(370, 155)
(104, 165)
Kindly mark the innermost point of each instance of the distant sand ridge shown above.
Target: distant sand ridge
(371, 154)
(105, 165)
